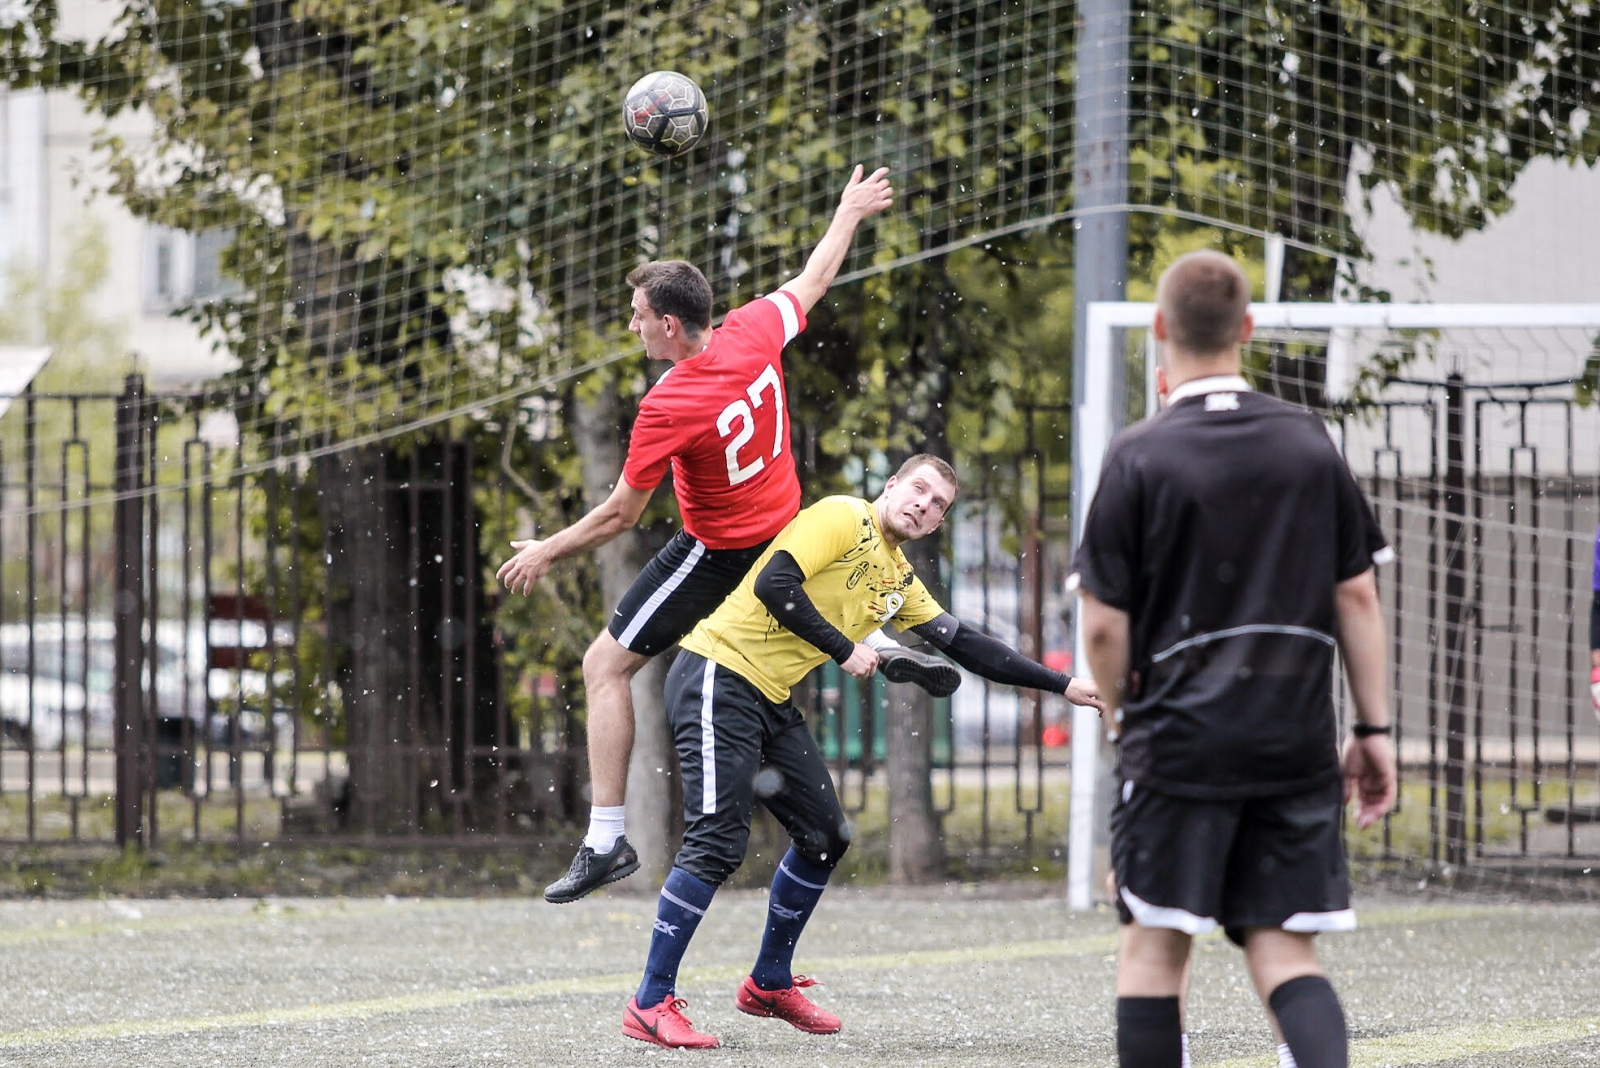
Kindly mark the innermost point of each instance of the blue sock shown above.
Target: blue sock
(684, 900)
(796, 887)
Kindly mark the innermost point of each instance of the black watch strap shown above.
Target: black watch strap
(1367, 730)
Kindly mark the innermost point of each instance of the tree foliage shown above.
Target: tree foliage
(377, 161)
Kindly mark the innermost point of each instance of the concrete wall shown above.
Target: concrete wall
(52, 187)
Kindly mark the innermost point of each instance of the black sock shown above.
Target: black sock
(1312, 1020)
(1149, 1034)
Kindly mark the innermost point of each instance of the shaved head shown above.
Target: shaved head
(1204, 298)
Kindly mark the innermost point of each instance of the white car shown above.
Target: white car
(52, 711)
(74, 680)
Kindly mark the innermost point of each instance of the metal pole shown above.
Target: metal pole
(1455, 620)
(1100, 272)
(128, 613)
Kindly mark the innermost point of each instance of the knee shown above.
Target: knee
(712, 851)
(824, 846)
(711, 868)
(606, 660)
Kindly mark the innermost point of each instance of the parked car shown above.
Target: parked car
(74, 681)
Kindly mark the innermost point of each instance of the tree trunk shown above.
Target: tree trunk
(916, 839)
(653, 788)
(367, 539)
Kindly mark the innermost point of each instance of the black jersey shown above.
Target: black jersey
(1222, 526)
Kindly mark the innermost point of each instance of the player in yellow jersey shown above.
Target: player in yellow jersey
(829, 579)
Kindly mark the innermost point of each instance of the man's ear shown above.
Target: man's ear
(1158, 326)
(1246, 328)
(671, 325)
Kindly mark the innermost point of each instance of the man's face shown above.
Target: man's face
(651, 328)
(914, 506)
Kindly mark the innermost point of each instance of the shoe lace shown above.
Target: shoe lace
(802, 980)
(675, 1007)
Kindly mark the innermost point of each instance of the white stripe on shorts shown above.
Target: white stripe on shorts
(708, 742)
(648, 609)
(1313, 922)
(786, 308)
(1148, 915)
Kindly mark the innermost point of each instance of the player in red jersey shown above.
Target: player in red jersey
(718, 418)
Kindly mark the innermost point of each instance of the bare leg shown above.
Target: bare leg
(1276, 957)
(608, 671)
(1152, 962)
(1151, 972)
(1183, 981)
(605, 855)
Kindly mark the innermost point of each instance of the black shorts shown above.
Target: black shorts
(1193, 865)
(737, 747)
(680, 586)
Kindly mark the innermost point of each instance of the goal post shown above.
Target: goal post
(1466, 349)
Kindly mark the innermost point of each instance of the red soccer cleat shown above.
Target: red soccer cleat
(665, 1025)
(790, 1006)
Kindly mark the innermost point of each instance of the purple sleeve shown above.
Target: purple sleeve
(1597, 561)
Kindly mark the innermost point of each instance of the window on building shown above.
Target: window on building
(183, 268)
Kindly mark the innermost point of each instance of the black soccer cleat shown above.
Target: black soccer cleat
(590, 871)
(938, 677)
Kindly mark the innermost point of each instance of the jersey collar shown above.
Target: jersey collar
(1213, 384)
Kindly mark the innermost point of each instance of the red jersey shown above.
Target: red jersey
(720, 418)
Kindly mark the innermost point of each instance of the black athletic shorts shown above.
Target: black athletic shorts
(680, 586)
(1193, 865)
(737, 747)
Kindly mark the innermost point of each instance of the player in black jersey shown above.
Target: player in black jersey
(1227, 552)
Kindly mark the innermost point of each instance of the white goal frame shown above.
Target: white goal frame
(1092, 407)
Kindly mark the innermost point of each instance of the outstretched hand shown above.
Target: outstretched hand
(526, 568)
(866, 196)
(1085, 692)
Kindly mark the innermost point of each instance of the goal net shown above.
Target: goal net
(1473, 430)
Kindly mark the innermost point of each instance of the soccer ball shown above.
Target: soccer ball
(665, 112)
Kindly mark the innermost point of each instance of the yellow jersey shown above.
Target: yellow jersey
(853, 578)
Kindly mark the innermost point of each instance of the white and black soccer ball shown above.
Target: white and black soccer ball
(665, 113)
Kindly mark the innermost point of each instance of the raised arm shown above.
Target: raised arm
(862, 197)
(616, 514)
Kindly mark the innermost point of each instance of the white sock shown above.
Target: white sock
(1285, 1058)
(605, 827)
(879, 641)
(1187, 1063)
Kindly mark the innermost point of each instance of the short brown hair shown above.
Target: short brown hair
(927, 459)
(674, 287)
(1204, 297)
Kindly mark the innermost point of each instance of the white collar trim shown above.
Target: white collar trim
(1214, 384)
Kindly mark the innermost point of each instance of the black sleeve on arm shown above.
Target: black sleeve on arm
(780, 587)
(1594, 622)
(988, 657)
